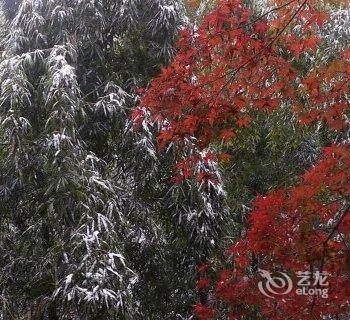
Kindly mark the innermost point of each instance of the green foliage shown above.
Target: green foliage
(92, 227)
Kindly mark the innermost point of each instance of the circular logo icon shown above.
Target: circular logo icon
(277, 284)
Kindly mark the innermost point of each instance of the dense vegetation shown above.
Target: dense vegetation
(155, 154)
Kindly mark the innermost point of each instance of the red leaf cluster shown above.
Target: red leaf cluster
(235, 63)
(303, 228)
(231, 66)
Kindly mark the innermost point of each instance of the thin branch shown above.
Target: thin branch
(234, 72)
(272, 10)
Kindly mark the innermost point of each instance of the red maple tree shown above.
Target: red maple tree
(305, 229)
(235, 63)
